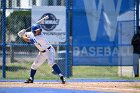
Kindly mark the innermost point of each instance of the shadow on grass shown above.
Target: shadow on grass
(13, 68)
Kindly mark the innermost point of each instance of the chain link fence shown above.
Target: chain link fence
(103, 29)
(19, 54)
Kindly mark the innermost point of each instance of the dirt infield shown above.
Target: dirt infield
(123, 87)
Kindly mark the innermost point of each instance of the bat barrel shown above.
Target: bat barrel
(46, 17)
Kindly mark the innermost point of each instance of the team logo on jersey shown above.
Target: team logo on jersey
(51, 23)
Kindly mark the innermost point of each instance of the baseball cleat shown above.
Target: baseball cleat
(62, 80)
(28, 81)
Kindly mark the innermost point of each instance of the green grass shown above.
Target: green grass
(21, 70)
(94, 72)
(98, 72)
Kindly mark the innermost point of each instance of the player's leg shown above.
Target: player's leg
(31, 79)
(136, 64)
(57, 70)
(40, 59)
(55, 67)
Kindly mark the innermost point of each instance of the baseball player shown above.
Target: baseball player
(46, 51)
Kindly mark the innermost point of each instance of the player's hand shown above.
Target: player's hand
(20, 33)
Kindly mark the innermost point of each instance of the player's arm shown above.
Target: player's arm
(22, 35)
(26, 39)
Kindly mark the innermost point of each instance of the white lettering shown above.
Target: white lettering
(92, 51)
(102, 51)
(84, 51)
(52, 22)
(107, 51)
(76, 51)
(110, 14)
(115, 51)
(93, 16)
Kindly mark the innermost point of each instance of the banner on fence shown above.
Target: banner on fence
(55, 26)
(102, 32)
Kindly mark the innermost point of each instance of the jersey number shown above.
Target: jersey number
(37, 42)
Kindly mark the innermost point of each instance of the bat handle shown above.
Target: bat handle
(28, 28)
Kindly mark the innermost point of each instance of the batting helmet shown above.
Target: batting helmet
(35, 27)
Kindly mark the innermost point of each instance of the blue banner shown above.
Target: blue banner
(102, 32)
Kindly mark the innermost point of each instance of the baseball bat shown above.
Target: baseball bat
(46, 17)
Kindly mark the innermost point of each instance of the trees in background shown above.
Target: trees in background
(15, 22)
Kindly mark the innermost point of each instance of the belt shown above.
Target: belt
(49, 47)
(45, 50)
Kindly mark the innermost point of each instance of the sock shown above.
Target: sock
(32, 74)
(57, 70)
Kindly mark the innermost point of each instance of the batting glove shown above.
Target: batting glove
(20, 33)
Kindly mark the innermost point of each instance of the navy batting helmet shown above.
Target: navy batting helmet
(36, 27)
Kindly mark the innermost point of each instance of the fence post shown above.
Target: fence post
(3, 38)
(12, 52)
(137, 14)
(67, 37)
